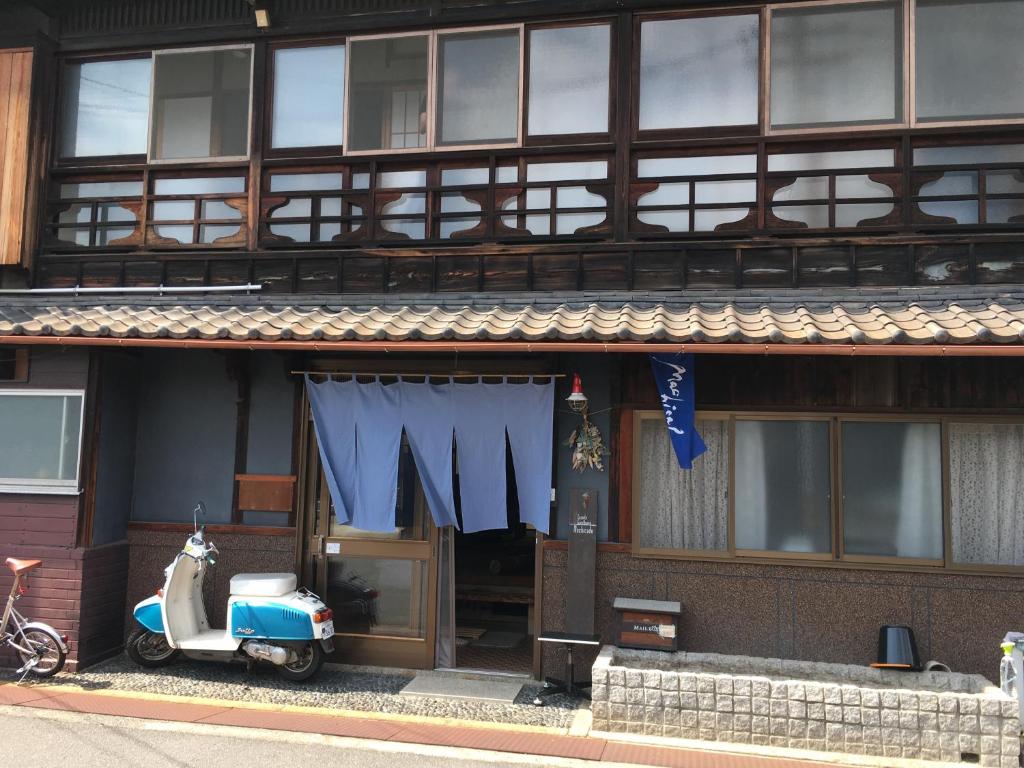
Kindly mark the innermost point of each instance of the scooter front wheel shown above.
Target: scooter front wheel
(310, 659)
(149, 649)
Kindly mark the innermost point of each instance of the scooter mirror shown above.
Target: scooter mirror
(199, 511)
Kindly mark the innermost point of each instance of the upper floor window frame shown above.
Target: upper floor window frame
(593, 137)
(712, 131)
(906, 53)
(150, 158)
(269, 87)
(59, 159)
(432, 143)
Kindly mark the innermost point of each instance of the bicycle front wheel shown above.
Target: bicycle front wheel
(41, 650)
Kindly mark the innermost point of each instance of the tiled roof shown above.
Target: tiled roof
(899, 316)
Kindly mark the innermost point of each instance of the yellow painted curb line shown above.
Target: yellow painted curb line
(293, 708)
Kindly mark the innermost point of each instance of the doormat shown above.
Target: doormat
(496, 638)
(436, 686)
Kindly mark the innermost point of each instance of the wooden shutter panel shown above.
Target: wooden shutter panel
(15, 90)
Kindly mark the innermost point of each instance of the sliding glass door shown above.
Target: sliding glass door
(382, 586)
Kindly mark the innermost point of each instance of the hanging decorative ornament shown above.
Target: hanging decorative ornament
(586, 442)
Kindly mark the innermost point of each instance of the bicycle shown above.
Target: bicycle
(41, 649)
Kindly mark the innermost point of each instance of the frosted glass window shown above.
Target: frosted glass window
(478, 88)
(969, 59)
(683, 509)
(569, 68)
(711, 219)
(837, 65)
(594, 169)
(305, 182)
(985, 153)
(202, 185)
(700, 165)
(309, 96)
(44, 434)
(892, 489)
(824, 161)
(387, 85)
(102, 189)
(986, 493)
(782, 482)
(699, 72)
(106, 108)
(201, 104)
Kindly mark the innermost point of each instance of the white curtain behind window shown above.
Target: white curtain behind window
(679, 508)
(919, 532)
(986, 483)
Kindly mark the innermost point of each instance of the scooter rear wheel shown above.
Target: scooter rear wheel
(149, 649)
(311, 658)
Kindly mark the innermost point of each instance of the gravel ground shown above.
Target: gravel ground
(362, 691)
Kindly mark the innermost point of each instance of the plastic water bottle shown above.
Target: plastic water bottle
(1007, 672)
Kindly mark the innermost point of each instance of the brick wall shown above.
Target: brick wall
(43, 528)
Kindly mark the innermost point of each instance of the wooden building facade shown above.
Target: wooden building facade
(822, 200)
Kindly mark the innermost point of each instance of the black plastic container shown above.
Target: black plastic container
(897, 649)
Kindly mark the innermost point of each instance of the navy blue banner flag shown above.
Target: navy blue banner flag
(674, 374)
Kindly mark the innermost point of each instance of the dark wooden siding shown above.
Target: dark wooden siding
(834, 382)
(104, 587)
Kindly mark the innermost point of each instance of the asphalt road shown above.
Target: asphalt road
(43, 738)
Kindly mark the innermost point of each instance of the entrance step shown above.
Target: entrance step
(441, 686)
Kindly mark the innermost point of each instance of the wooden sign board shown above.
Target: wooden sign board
(579, 604)
(650, 625)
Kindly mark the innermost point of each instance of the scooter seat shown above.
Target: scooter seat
(263, 584)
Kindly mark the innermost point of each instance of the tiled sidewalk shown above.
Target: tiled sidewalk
(470, 736)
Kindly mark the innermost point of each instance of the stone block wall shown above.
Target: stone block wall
(806, 706)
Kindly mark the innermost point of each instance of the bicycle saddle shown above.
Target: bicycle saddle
(22, 566)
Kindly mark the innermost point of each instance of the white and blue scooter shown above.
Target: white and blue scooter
(268, 618)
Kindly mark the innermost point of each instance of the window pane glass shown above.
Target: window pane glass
(47, 438)
(204, 185)
(969, 59)
(478, 84)
(782, 481)
(986, 493)
(201, 104)
(569, 80)
(837, 65)
(892, 489)
(377, 596)
(309, 96)
(303, 182)
(102, 189)
(823, 161)
(106, 108)
(701, 165)
(388, 93)
(699, 72)
(683, 509)
(986, 153)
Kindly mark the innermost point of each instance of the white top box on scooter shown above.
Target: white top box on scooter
(262, 584)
